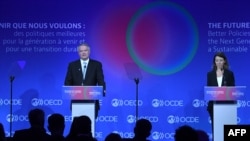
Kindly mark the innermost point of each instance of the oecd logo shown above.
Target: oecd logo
(132, 119)
(181, 119)
(243, 103)
(15, 118)
(167, 103)
(115, 102)
(171, 119)
(199, 103)
(125, 102)
(36, 102)
(10, 118)
(16, 102)
(124, 134)
(160, 135)
(47, 102)
(156, 136)
(156, 103)
(107, 119)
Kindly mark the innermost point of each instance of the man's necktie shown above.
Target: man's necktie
(84, 69)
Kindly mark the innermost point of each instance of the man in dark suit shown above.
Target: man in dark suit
(36, 132)
(85, 72)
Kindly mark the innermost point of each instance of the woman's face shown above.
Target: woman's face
(219, 62)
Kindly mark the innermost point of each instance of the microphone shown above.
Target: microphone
(12, 78)
(136, 80)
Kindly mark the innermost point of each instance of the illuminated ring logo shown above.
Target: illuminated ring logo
(196, 103)
(155, 135)
(131, 119)
(9, 118)
(171, 119)
(238, 104)
(36, 102)
(115, 102)
(156, 103)
(172, 65)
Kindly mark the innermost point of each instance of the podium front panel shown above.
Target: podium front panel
(224, 114)
(224, 93)
(82, 92)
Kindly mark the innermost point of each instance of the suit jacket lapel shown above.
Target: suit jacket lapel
(79, 66)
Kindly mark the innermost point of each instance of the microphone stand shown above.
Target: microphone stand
(136, 108)
(11, 116)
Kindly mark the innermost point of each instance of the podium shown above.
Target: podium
(84, 101)
(224, 107)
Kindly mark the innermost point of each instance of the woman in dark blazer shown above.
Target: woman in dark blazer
(219, 76)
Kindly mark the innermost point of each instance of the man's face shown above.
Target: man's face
(83, 52)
